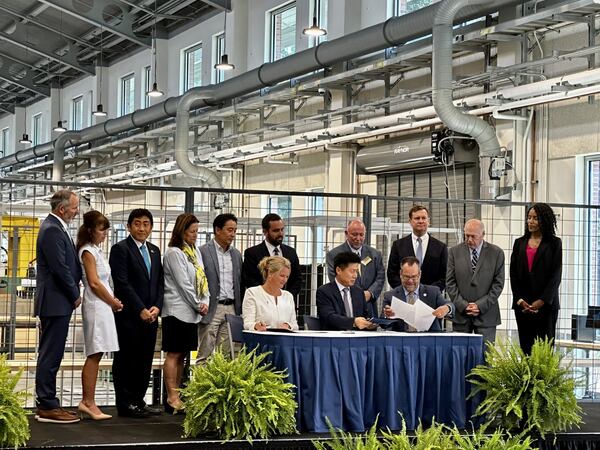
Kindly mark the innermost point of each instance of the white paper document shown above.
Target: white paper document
(418, 315)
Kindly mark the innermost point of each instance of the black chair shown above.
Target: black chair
(235, 325)
(311, 322)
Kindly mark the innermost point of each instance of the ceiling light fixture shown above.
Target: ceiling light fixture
(99, 112)
(224, 65)
(25, 139)
(314, 30)
(59, 126)
(154, 92)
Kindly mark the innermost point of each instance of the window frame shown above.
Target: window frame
(130, 77)
(272, 28)
(5, 141)
(185, 85)
(74, 117)
(37, 129)
(218, 76)
(146, 85)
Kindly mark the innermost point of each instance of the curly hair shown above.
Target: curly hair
(546, 220)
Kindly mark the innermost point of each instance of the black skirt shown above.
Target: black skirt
(179, 336)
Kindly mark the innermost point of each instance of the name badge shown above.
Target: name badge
(366, 261)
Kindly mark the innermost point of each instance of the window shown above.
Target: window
(219, 50)
(322, 6)
(315, 207)
(77, 113)
(36, 130)
(192, 67)
(5, 141)
(282, 205)
(147, 87)
(402, 7)
(593, 263)
(127, 100)
(283, 32)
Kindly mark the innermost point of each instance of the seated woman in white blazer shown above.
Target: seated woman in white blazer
(269, 305)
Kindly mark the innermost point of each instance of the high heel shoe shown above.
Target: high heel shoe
(85, 410)
(176, 408)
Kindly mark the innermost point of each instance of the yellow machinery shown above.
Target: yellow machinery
(25, 229)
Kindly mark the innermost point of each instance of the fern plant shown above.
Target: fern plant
(532, 393)
(14, 426)
(240, 398)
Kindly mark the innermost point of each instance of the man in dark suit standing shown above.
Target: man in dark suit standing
(138, 279)
(340, 304)
(223, 269)
(411, 291)
(431, 253)
(475, 281)
(57, 295)
(371, 273)
(274, 231)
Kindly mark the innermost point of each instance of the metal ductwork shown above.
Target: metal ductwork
(451, 116)
(411, 152)
(393, 31)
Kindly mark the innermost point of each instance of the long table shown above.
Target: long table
(354, 378)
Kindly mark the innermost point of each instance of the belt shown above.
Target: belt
(226, 301)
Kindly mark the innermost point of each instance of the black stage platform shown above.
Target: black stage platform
(164, 432)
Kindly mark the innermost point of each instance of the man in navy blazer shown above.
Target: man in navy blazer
(223, 268)
(431, 253)
(138, 280)
(274, 231)
(340, 304)
(371, 271)
(57, 295)
(410, 274)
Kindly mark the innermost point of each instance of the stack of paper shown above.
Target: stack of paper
(420, 315)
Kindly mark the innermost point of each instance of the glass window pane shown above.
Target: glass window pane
(283, 32)
(402, 7)
(193, 67)
(127, 94)
(77, 114)
(37, 131)
(219, 75)
(147, 86)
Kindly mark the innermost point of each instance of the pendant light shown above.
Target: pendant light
(154, 92)
(314, 30)
(99, 112)
(224, 65)
(25, 139)
(59, 126)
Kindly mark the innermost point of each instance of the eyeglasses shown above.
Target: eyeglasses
(410, 277)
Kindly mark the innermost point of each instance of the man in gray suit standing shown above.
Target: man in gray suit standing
(371, 271)
(223, 268)
(474, 281)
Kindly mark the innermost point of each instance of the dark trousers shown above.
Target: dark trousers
(531, 326)
(51, 351)
(132, 364)
(488, 333)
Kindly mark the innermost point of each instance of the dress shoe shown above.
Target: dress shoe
(56, 415)
(174, 408)
(151, 410)
(85, 410)
(132, 411)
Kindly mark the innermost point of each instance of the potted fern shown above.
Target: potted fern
(14, 426)
(528, 393)
(240, 398)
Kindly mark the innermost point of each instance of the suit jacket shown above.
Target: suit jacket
(433, 269)
(331, 310)
(430, 295)
(544, 279)
(252, 276)
(372, 275)
(58, 270)
(211, 269)
(483, 286)
(136, 289)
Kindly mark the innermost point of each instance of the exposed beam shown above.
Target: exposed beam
(20, 37)
(95, 16)
(14, 76)
(152, 13)
(223, 5)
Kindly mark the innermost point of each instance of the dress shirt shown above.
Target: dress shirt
(424, 243)
(63, 223)
(271, 248)
(341, 287)
(357, 251)
(225, 273)
(478, 251)
(260, 306)
(416, 291)
(139, 246)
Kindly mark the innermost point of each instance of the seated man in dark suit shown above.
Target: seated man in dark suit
(411, 290)
(340, 304)
(273, 229)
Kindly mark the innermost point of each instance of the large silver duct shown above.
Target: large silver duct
(393, 31)
(451, 116)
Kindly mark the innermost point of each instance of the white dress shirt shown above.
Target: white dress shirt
(260, 306)
(424, 243)
(271, 248)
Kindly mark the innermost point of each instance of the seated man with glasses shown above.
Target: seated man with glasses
(410, 290)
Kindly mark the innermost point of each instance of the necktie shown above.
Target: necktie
(412, 298)
(146, 256)
(474, 259)
(419, 253)
(276, 251)
(348, 302)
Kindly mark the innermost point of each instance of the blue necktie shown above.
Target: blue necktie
(146, 256)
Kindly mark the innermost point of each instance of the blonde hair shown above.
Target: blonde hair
(272, 264)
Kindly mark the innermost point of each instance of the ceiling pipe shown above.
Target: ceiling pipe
(451, 116)
(393, 31)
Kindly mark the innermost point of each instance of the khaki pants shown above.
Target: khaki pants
(215, 334)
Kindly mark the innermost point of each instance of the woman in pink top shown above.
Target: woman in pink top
(535, 273)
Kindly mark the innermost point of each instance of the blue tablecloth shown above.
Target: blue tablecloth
(353, 378)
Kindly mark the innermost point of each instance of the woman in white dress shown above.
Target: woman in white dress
(269, 306)
(186, 300)
(99, 330)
